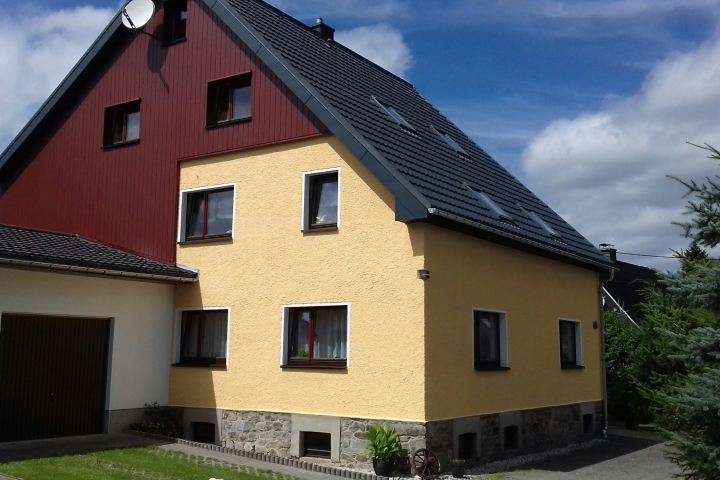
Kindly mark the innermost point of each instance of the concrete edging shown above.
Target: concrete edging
(290, 462)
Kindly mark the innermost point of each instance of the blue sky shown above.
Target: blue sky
(510, 72)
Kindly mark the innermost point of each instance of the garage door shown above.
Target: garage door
(52, 376)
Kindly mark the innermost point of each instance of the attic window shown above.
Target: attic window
(452, 143)
(394, 115)
(175, 20)
(229, 100)
(122, 124)
(492, 206)
(536, 218)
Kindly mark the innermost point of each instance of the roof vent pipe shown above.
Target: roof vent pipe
(609, 251)
(325, 32)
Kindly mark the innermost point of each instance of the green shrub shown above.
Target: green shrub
(384, 443)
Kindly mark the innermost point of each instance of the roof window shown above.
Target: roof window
(394, 115)
(452, 143)
(492, 206)
(536, 218)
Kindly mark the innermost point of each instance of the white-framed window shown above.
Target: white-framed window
(202, 337)
(315, 335)
(321, 200)
(490, 339)
(207, 213)
(570, 343)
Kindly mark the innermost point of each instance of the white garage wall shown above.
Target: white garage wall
(142, 326)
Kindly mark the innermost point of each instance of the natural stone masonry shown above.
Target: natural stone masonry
(259, 432)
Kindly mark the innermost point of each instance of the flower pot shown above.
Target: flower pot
(457, 467)
(383, 468)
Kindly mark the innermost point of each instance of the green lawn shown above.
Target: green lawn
(150, 463)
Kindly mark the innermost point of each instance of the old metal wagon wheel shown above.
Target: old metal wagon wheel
(425, 464)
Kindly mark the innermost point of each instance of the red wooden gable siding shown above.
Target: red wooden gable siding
(127, 197)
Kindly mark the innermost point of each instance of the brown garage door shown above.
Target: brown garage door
(52, 376)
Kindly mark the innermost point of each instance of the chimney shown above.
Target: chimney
(323, 31)
(609, 251)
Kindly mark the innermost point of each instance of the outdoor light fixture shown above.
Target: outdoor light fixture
(424, 274)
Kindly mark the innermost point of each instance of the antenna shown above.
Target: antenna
(138, 13)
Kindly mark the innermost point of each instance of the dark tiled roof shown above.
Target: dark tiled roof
(39, 246)
(349, 82)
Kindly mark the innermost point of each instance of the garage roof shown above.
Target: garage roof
(20, 246)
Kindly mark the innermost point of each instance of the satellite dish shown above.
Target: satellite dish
(137, 13)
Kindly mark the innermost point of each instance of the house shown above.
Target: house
(285, 243)
(623, 295)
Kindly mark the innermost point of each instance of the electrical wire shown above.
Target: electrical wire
(656, 256)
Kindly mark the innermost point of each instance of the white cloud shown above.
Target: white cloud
(381, 44)
(606, 172)
(38, 50)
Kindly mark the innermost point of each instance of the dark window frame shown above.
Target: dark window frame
(478, 363)
(214, 88)
(110, 125)
(188, 212)
(310, 362)
(201, 361)
(314, 187)
(173, 22)
(575, 362)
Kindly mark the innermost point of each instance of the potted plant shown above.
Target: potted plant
(457, 467)
(384, 449)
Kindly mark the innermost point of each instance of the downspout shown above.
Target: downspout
(603, 354)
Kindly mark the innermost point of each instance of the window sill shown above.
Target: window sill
(491, 368)
(313, 366)
(200, 365)
(572, 367)
(328, 228)
(218, 238)
(175, 42)
(229, 122)
(120, 145)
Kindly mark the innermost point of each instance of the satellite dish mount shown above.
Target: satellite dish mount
(136, 14)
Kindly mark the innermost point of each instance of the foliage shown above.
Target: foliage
(384, 443)
(159, 421)
(622, 341)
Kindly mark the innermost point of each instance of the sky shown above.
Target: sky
(590, 103)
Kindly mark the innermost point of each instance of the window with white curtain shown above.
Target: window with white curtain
(203, 337)
(317, 336)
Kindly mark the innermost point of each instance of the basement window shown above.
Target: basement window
(511, 438)
(588, 423)
(229, 100)
(393, 114)
(175, 21)
(122, 124)
(204, 432)
(536, 218)
(316, 444)
(466, 445)
(452, 143)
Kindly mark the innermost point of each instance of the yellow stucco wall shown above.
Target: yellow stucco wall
(468, 273)
(370, 262)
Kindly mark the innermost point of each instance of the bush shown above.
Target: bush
(159, 421)
(384, 443)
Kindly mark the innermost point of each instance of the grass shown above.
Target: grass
(149, 463)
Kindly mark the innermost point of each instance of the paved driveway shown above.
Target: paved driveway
(622, 458)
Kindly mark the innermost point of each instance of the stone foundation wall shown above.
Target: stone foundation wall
(538, 429)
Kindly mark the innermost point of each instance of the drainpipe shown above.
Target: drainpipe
(603, 358)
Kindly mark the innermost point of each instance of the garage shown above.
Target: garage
(53, 376)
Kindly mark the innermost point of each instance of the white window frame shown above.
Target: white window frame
(182, 207)
(177, 331)
(503, 330)
(304, 221)
(578, 341)
(285, 327)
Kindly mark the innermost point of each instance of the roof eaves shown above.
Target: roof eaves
(557, 251)
(412, 205)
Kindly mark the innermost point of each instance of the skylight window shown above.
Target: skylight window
(452, 143)
(492, 206)
(536, 218)
(395, 115)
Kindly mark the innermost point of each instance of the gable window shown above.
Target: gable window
(207, 214)
(490, 340)
(570, 344)
(452, 143)
(317, 336)
(541, 223)
(203, 338)
(490, 205)
(321, 200)
(229, 100)
(175, 21)
(393, 114)
(122, 124)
